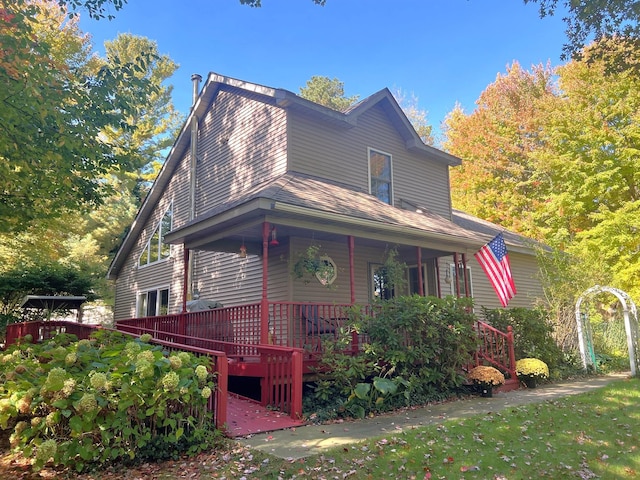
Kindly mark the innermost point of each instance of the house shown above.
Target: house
(257, 175)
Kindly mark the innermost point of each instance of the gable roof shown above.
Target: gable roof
(281, 98)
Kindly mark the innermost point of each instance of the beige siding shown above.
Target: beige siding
(133, 279)
(242, 143)
(342, 155)
(525, 274)
(227, 278)
(309, 289)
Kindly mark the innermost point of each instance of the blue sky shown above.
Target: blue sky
(441, 51)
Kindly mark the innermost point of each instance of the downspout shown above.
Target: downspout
(195, 80)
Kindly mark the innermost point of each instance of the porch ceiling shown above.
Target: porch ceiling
(297, 203)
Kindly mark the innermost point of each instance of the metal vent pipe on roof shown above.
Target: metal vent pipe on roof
(195, 80)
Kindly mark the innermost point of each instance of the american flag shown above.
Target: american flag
(494, 260)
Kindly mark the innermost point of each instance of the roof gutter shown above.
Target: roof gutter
(373, 225)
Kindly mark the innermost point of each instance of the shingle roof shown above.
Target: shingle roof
(320, 196)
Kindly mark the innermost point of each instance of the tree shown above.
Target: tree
(327, 92)
(598, 20)
(587, 168)
(416, 115)
(495, 142)
(155, 117)
(156, 122)
(258, 3)
(54, 105)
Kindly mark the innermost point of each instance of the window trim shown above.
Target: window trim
(161, 247)
(429, 272)
(371, 150)
(453, 275)
(146, 292)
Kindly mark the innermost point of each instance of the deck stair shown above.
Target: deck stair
(246, 417)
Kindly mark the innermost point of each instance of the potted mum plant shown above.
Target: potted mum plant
(531, 370)
(486, 378)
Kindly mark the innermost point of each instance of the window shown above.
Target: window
(156, 249)
(458, 276)
(153, 302)
(328, 272)
(380, 176)
(429, 279)
(380, 285)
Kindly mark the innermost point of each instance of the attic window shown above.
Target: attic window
(156, 249)
(380, 176)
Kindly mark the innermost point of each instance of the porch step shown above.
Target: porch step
(246, 417)
(509, 385)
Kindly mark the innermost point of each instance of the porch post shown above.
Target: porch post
(455, 276)
(185, 277)
(264, 302)
(352, 271)
(467, 287)
(420, 285)
(438, 277)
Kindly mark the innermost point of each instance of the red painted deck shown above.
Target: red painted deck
(246, 417)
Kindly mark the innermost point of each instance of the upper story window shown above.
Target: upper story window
(380, 176)
(156, 249)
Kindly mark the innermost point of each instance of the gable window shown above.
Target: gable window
(380, 176)
(153, 302)
(156, 249)
(457, 276)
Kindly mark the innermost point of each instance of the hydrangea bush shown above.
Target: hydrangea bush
(111, 398)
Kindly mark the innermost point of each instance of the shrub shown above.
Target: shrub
(103, 400)
(532, 367)
(532, 333)
(415, 350)
(485, 375)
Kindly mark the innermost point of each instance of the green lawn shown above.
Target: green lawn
(591, 435)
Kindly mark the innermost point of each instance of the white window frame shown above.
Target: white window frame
(452, 275)
(370, 151)
(145, 293)
(162, 250)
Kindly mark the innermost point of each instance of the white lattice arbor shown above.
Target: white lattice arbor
(630, 325)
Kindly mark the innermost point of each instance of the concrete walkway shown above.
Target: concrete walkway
(309, 440)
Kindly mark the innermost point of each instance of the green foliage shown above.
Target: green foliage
(310, 265)
(57, 102)
(532, 333)
(51, 279)
(602, 19)
(87, 403)
(414, 350)
(327, 92)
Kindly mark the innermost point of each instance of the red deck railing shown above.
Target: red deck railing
(41, 330)
(496, 347)
(279, 368)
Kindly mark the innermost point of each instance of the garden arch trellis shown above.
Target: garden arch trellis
(630, 325)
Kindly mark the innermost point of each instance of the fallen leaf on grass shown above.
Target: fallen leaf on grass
(472, 468)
